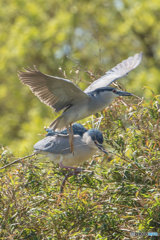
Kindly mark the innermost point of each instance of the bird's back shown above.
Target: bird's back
(57, 148)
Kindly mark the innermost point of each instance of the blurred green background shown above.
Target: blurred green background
(69, 38)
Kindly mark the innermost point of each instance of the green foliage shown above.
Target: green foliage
(121, 196)
(97, 34)
(123, 193)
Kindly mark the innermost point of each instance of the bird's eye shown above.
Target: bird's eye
(114, 91)
(95, 142)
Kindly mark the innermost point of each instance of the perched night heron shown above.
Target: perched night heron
(62, 94)
(56, 146)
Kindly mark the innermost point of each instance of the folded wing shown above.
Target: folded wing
(57, 144)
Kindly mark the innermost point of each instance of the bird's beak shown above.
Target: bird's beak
(101, 148)
(121, 93)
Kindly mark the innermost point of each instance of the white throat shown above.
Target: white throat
(88, 140)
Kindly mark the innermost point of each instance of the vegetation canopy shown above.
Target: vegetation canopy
(80, 41)
(76, 40)
(121, 196)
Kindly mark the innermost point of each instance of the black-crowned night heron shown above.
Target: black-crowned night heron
(56, 146)
(62, 94)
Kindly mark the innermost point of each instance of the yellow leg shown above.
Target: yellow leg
(71, 137)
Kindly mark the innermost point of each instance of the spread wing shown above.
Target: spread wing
(118, 71)
(57, 144)
(56, 92)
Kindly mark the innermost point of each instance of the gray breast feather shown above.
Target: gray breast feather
(58, 144)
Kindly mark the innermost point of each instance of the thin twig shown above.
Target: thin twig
(64, 181)
(129, 161)
(69, 174)
(18, 160)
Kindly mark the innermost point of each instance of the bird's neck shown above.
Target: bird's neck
(101, 101)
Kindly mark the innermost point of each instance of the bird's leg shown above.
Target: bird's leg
(72, 139)
(69, 133)
(67, 167)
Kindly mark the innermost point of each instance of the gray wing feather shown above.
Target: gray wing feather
(118, 71)
(57, 144)
(78, 129)
(56, 92)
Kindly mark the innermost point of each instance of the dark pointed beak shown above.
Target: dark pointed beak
(121, 93)
(101, 148)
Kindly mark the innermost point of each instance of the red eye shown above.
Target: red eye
(95, 142)
(114, 91)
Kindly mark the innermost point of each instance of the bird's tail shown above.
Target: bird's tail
(57, 123)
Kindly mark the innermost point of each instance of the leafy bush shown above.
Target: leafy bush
(121, 196)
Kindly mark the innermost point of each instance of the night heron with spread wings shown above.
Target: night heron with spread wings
(56, 146)
(62, 94)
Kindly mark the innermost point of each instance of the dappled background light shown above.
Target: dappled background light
(68, 39)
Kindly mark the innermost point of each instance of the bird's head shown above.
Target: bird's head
(120, 93)
(108, 93)
(94, 138)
